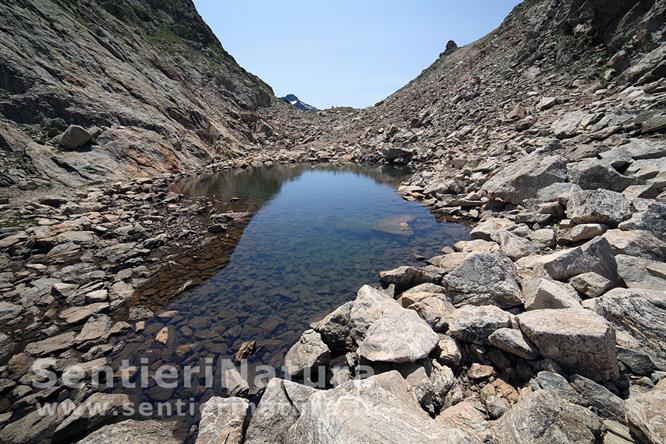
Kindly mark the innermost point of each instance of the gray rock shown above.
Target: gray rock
(468, 418)
(552, 294)
(434, 310)
(637, 362)
(513, 341)
(594, 256)
(136, 432)
(637, 149)
(590, 284)
(567, 125)
(558, 192)
(636, 243)
(558, 384)
(602, 400)
(653, 220)
(513, 245)
(335, 328)
(448, 352)
(9, 311)
(485, 229)
(522, 179)
(484, 279)
(234, 383)
(598, 206)
(279, 408)
(544, 237)
(446, 262)
(580, 233)
(33, 427)
(74, 315)
(222, 421)
(94, 329)
(637, 272)
(97, 410)
(381, 408)
(577, 339)
(52, 345)
(639, 317)
(6, 346)
(403, 337)
(370, 304)
(310, 351)
(475, 324)
(646, 414)
(406, 277)
(592, 174)
(543, 417)
(74, 137)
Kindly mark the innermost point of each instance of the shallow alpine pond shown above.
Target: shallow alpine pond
(317, 235)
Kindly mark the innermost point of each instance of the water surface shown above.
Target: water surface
(318, 235)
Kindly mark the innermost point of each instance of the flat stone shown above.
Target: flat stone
(74, 315)
(222, 420)
(402, 337)
(479, 371)
(446, 262)
(9, 311)
(476, 323)
(485, 229)
(598, 207)
(95, 411)
(484, 279)
(513, 245)
(602, 400)
(94, 329)
(593, 256)
(567, 125)
(593, 174)
(558, 192)
(52, 345)
(577, 339)
(406, 277)
(581, 233)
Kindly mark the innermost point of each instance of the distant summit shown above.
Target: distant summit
(296, 102)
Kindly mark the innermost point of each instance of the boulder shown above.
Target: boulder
(136, 432)
(636, 243)
(406, 277)
(99, 409)
(598, 207)
(279, 408)
(558, 192)
(590, 284)
(476, 323)
(469, 418)
(445, 262)
(513, 245)
(310, 351)
(485, 229)
(484, 279)
(592, 174)
(603, 401)
(513, 341)
(335, 328)
(74, 137)
(370, 304)
(222, 421)
(639, 318)
(552, 294)
(403, 337)
(652, 219)
(646, 414)
(543, 417)
(522, 179)
(577, 339)
(594, 256)
(567, 125)
(559, 385)
(434, 310)
(448, 352)
(9, 311)
(234, 383)
(580, 233)
(381, 408)
(637, 272)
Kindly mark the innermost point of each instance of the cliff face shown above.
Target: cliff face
(149, 75)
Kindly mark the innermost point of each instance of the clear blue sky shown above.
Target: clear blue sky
(343, 52)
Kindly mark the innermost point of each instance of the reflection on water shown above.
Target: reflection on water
(319, 234)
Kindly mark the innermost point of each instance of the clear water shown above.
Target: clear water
(319, 234)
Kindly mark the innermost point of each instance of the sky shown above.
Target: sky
(344, 52)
